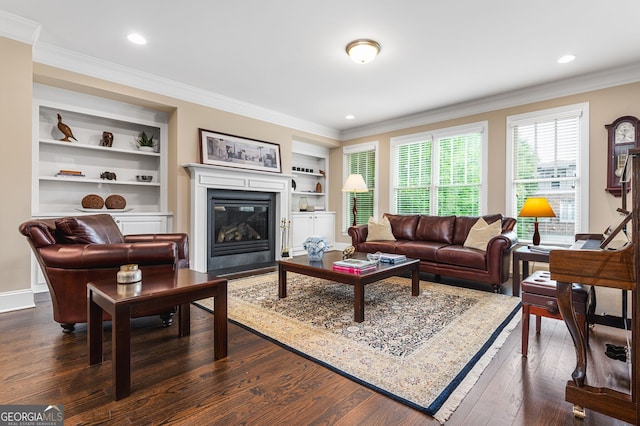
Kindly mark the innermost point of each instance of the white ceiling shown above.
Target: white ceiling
(287, 58)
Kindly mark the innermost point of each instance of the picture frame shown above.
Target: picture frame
(223, 149)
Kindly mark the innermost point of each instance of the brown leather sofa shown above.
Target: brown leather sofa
(438, 242)
(73, 251)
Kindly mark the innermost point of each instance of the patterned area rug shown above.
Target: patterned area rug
(425, 351)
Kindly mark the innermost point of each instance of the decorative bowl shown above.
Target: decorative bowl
(144, 178)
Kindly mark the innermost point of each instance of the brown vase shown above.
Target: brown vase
(318, 187)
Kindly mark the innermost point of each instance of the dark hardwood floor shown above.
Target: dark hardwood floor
(175, 381)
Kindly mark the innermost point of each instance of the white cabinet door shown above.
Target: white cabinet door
(142, 224)
(325, 225)
(301, 228)
(304, 225)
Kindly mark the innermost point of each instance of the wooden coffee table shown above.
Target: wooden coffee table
(158, 290)
(323, 269)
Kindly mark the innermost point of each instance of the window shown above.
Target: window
(547, 154)
(360, 159)
(441, 172)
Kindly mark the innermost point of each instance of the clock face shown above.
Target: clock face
(625, 132)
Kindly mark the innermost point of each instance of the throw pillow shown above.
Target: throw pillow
(380, 230)
(481, 232)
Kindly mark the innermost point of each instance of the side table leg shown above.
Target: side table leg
(94, 330)
(185, 320)
(220, 322)
(121, 352)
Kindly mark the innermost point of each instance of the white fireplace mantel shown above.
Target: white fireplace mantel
(204, 177)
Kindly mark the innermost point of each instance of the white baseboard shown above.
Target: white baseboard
(16, 300)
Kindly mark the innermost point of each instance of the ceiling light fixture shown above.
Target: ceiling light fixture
(566, 59)
(363, 50)
(349, 117)
(136, 38)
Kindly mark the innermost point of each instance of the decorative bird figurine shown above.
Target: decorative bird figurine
(66, 130)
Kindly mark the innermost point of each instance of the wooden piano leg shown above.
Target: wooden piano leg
(565, 304)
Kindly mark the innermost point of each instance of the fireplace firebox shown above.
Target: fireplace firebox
(241, 230)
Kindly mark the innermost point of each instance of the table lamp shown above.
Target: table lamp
(355, 183)
(536, 207)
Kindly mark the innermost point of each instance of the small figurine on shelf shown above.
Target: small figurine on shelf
(66, 130)
(107, 139)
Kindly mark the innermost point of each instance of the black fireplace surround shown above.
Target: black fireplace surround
(241, 228)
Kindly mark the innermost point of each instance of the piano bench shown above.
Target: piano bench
(539, 299)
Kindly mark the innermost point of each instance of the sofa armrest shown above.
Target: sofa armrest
(358, 234)
(181, 240)
(39, 232)
(90, 256)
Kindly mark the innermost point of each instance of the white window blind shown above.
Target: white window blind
(363, 163)
(546, 163)
(439, 173)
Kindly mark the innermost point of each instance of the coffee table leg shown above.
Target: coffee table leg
(282, 282)
(358, 302)
(94, 331)
(220, 322)
(415, 281)
(121, 352)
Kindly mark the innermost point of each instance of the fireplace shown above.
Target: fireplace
(241, 231)
(205, 177)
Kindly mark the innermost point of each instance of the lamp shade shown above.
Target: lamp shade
(536, 207)
(363, 50)
(355, 183)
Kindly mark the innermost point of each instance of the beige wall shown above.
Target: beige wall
(15, 162)
(604, 107)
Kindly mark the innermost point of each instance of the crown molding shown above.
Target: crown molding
(72, 61)
(542, 92)
(18, 28)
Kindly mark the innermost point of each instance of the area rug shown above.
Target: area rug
(425, 351)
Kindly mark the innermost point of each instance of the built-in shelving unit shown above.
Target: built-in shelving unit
(88, 117)
(310, 164)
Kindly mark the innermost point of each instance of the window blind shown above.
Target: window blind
(545, 164)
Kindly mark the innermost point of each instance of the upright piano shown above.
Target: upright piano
(606, 268)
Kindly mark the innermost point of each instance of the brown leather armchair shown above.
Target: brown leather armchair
(73, 251)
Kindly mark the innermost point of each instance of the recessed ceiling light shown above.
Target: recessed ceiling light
(350, 117)
(566, 59)
(136, 38)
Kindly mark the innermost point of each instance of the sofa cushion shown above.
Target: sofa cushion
(465, 223)
(481, 233)
(403, 226)
(423, 250)
(436, 228)
(379, 230)
(90, 229)
(462, 256)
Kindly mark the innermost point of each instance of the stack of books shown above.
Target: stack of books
(355, 266)
(70, 173)
(392, 258)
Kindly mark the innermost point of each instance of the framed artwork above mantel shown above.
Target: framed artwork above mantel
(623, 135)
(222, 149)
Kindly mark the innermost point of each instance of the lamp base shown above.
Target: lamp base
(536, 234)
(355, 211)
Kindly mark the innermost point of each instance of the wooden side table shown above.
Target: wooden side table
(524, 255)
(158, 290)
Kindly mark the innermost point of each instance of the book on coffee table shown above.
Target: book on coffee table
(352, 270)
(392, 258)
(355, 263)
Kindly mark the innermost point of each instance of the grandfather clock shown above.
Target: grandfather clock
(623, 135)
